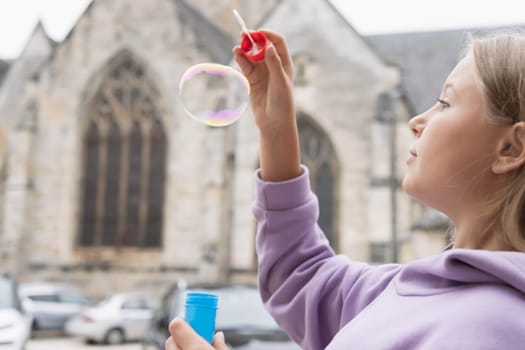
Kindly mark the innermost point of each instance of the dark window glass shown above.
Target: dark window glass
(45, 298)
(324, 187)
(111, 190)
(89, 208)
(156, 185)
(318, 155)
(132, 227)
(124, 162)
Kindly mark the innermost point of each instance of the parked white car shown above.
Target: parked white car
(241, 316)
(15, 323)
(51, 304)
(117, 319)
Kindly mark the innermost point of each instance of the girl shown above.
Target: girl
(467, 161)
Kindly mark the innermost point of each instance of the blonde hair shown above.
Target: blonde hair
(500, 61)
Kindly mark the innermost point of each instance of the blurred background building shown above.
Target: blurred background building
(107, 184)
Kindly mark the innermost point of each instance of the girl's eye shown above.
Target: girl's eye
(444, 104)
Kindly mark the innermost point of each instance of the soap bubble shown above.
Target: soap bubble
(214, 94)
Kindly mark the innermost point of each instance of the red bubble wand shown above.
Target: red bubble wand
(255, 47)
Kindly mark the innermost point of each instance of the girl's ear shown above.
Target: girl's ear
(510, 154)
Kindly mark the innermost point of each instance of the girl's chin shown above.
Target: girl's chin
(419, 194)
(410, 188)
(406, 185)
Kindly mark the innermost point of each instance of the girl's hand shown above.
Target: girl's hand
(270, 81)
(271, 97)
(183, 337)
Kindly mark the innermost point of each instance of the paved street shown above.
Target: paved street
(52, 343)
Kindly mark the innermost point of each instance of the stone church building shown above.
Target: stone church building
(107, 183)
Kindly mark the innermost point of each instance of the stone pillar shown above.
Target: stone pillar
(17, 190)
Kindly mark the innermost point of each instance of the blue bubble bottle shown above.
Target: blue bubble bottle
(200, 312)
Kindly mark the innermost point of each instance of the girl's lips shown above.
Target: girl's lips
(411, 155)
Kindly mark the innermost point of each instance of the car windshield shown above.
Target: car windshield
(6, 294)
(241, 308)
(72, 297)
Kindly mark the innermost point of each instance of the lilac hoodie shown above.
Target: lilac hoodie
(458, 299)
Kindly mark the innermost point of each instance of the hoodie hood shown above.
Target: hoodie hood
(455, 268)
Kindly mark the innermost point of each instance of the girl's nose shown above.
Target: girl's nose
(417, 124)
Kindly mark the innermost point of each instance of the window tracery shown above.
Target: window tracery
(124, 162)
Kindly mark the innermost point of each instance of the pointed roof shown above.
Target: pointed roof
(425, 59)
(210, 38)
(40, 27)
(364, 39)
(30, 61)
(39, 30)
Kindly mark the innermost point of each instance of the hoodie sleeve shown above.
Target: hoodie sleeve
(311, 292)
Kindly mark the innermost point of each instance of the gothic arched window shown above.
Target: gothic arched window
(124, 162)
(318, 155)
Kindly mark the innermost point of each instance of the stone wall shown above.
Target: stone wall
(208, 225)
(220, 12)
(195, 174)
(341, 97)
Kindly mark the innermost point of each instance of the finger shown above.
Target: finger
(274, 64)
(218, 341)
(170, 344)
(244, 63)
(184, 336)
(279, 43)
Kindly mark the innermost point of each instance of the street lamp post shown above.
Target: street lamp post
(391, 119)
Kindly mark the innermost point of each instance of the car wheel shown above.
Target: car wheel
(114, 336)
(34, 325)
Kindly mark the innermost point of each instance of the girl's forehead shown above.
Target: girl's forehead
(463, 76)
